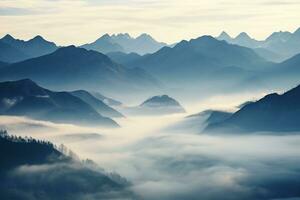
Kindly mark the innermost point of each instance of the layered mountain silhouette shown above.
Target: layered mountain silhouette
(97, 104)
(15, 50)
(32, 169)
(125, 43)
(26, 98)
(70, 68)
(281, 44)
(274, 113)
(198, 58)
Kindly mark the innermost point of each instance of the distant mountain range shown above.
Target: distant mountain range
(34, 169)
(199, 59)
(142, 44)
(277, 47)
(26, 98)
(274, 112)
(15, 50)
(72, 68)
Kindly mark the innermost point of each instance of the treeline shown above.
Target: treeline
(4, 135)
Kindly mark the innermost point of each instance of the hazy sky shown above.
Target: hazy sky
(81, 21)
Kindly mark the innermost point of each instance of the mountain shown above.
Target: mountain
(243, 39)
(2, 64)
(224, 36)
(283, 43)
(34, 47)
(125, 43)
(283, 75)
(269, 55)
(123, 58)
(10, 54)
(197, 59)
(162, 102)
(34, 169)
(26, 98)
(106, 100)
(70, 68)
(274, 112)
(97, 104)
(104, 45)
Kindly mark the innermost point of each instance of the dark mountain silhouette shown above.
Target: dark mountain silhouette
(32, 169)
(125, 43)
(106, 100)
(198, 58)
(216, 116)
(2, 64)
(274, 112)
(10, 54)
(34, 47)
(283, 44)
(97, 104)
(123, 58)
(70, 68)
(25, 98)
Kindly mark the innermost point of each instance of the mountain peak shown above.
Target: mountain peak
(8, 37)
(297, 32)
(145, 36)
(224, 36)
(38, 38)
(243, 35)
(104, 37)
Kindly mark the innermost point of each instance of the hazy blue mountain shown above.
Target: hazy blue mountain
(123, 58)
(10, 54)
(160, 101)
(35, 170)
(269, 55)
(104, 45)
(25, 98)
(163, 102)
(34, 47)
(243, 39)
(283, 75)
(284, 44)
(106, 100)
(125, 43)
(274, 112)
(97, 104)
(70, 68)
(197, 59)
(224, 36)
(216, 116)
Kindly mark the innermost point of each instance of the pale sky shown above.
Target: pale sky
(81, 21)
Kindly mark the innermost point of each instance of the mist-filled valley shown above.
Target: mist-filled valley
(158, 112)
(170, 156)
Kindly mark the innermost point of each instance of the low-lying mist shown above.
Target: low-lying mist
(165, 157)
